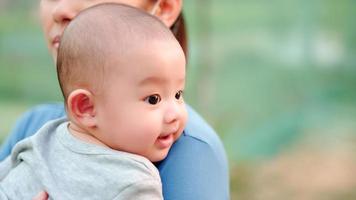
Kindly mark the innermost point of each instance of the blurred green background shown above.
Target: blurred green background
(276, 79)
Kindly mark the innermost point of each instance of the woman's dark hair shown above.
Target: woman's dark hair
(179, 31)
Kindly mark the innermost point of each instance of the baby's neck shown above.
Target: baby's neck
(84, 135)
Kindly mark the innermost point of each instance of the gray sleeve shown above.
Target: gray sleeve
(5, 167)
(2, 194)
(143, 190)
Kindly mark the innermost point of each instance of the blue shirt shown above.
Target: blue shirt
(196, 166)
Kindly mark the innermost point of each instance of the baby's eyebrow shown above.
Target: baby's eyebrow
(152, 80)
(159, 80)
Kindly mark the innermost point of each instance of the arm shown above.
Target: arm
(196, 166)
(5, 167)
(3, 195)
(29, 123)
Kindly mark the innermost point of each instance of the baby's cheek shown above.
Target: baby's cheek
(146, 128)
(183, 122)
(184, 117)
(152, 129)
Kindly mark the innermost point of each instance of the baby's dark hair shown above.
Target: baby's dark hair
(99, 34)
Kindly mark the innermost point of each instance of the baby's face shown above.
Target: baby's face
(141, 109)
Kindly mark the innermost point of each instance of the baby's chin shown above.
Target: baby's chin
(159, 156)
(162, 153)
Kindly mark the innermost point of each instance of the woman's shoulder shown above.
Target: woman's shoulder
(38, 115)
(199, 130)
(52, 109)
(196, 164)
(29, 123)
(200, 137)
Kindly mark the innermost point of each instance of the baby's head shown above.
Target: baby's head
(122, 74)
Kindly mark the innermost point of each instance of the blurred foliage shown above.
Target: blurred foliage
(275, 69)
(266, 75)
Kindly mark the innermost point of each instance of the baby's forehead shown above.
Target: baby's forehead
(149, 58)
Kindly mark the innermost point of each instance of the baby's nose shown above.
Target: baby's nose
(172, 113)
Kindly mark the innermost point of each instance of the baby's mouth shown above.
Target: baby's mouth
(165, 141)
(163, 137)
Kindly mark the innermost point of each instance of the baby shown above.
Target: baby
(122, 74)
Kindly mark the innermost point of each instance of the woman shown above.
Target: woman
(196, 166)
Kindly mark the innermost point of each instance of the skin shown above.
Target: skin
(121, 116)
(56, 14)
(41, 196)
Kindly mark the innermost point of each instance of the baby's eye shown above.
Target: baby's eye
(153, 99)
(179, 94)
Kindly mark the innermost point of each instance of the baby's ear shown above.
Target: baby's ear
(80, 105)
